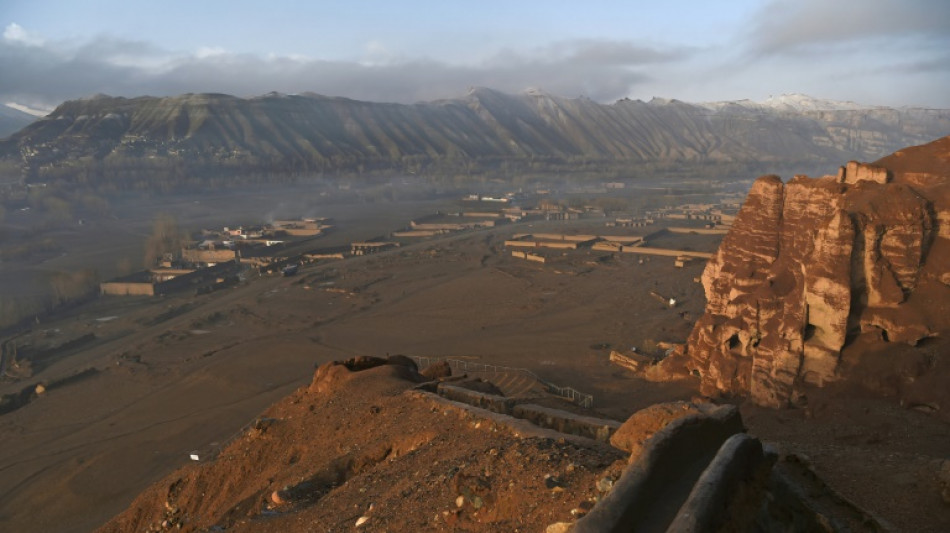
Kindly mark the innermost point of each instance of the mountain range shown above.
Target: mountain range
(483, 131)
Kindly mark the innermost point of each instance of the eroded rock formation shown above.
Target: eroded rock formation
(812, 264)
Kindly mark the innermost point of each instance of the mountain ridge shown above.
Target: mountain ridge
(13, 120)
(310, 133)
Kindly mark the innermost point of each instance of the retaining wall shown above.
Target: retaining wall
(584, 426)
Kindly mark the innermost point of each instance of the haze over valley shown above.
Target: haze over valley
(521, 267)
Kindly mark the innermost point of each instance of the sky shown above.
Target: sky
(876, 52)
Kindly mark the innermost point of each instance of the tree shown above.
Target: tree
(166, 238)
(67, 286)
(123, 266)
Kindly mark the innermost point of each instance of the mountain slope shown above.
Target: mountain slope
(13, 120)
(278, 133)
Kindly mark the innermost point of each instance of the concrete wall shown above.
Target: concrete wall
(416, 233)
(583, 426)
(489, 402)
(529, 257)
(665, 252)
(562, 237)
(700, 231)
(560, 245)
(119, 288)
(622, 239)
(598, 429)
(481, 214)
(141, 284)
(439, 227)
(302, 232)
(194, 255)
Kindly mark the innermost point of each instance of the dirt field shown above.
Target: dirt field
(183, 374)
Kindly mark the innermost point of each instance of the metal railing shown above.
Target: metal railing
(569, 393)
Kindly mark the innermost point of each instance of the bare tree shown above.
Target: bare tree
(166, 238)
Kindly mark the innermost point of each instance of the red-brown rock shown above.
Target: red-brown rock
(813, 263)
(645, 422)
(439, 369)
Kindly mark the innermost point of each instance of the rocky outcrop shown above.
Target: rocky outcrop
(631, 436)
(812, 264)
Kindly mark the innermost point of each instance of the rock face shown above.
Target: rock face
(812, 264)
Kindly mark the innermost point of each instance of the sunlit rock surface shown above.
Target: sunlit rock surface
(812, 264)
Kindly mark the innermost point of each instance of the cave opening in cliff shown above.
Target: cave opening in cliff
(809, 331)
(734, 342)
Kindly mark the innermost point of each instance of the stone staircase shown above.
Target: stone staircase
(513, 382)
(516, 385)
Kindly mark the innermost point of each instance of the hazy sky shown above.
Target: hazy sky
(885, 52)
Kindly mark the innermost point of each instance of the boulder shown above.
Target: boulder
(634, 362)
(330, 376)
(643, 424)
(440, 369)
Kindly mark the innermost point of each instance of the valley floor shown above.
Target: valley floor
(184, 374)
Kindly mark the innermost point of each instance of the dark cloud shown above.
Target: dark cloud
(791, 26)
(48, 73)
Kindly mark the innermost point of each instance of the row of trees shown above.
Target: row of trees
(64, 288)
(68, 287)
(124, 172)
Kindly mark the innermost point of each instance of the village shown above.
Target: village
(219, 258)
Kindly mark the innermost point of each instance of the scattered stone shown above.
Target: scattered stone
(361, 520)
(261, 425)
(40, 389)
(559, 527)
(604, 484)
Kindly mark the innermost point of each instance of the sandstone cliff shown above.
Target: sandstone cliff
(813, 265)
